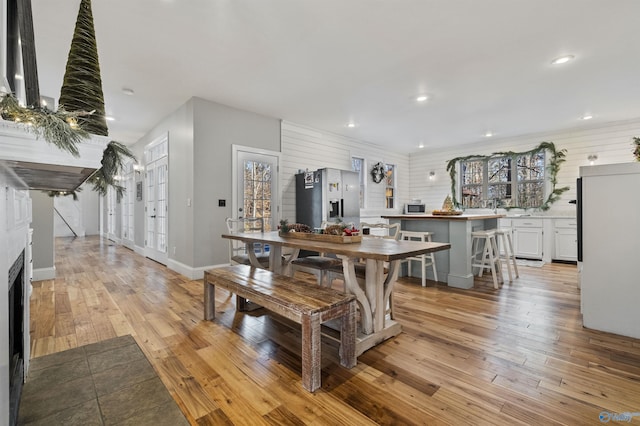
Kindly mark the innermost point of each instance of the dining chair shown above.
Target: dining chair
(317, 265)
(237, 249)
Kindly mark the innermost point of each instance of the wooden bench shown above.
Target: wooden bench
(307, 304)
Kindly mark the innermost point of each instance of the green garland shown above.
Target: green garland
(59, 129)
(636, 151)
(557, 158)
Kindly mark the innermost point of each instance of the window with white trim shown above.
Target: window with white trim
(390, 186)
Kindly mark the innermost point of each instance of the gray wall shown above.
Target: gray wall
(42, 224)
(217, 128)
(201, 134)
(179, 126)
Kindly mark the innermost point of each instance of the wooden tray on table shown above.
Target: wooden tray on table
(340, 239)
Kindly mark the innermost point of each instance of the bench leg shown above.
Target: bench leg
(348, 338)
(209, 300)
(311, 359)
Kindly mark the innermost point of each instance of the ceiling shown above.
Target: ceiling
(486, 65)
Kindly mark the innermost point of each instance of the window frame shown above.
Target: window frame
(362, 178)
(393, 187)
(513, 182)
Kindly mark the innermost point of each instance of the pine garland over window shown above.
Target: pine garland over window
(555, 160)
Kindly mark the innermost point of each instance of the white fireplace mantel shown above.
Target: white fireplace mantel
(22, 151)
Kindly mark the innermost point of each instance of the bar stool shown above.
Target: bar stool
(506, 251)
(489, 255)
(424, 259)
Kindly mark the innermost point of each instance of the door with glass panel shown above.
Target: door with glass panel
(156, 204)
(257, 186)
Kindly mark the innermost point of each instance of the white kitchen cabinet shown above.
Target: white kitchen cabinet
(566, 240)
(527, 237)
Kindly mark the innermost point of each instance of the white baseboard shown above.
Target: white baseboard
(139, 250)
(189, 271)
(41, 274)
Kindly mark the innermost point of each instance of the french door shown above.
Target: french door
(156, 205)
(127, 202)
(112, 215)
(256, 176)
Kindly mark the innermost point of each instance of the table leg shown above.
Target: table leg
(252, 255)
(374, 287)
(351, 283)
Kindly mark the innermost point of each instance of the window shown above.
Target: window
(358, 165)
(506, 181)
(257, 191)
(390, 182)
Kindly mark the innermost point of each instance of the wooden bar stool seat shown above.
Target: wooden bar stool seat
(485, 255)
(506, 252)
(425, 260)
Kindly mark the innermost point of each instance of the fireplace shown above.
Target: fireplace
(16, 335)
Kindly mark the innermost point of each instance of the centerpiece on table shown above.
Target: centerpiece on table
(335, 233)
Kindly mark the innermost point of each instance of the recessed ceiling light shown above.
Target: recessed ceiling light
(587, 117)
(109, 118)
(351, 125)
(127, 91)
(421, 146)
(488, 134)
(422, 98)
(562, 60)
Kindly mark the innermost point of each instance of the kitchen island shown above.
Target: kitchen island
(454, 264)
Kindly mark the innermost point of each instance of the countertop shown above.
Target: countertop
(461, 217)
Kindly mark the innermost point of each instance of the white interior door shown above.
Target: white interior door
(127, 206)
(256, 195)
(111, 214)
(156, 205)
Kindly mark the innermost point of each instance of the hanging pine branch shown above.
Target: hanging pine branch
(113, 159)
(82, 85)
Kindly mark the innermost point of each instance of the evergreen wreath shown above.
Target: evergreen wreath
(377, 172)
(557, 158)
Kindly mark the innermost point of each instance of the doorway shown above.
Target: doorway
(256, 182)
(156, 206)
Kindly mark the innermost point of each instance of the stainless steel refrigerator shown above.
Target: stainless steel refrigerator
(608, 247)
(327, 195)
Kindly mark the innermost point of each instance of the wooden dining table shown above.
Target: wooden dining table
(382, 258)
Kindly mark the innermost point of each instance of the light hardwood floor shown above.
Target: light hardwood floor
(518, 355)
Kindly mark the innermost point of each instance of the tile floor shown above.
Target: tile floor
(105, 383)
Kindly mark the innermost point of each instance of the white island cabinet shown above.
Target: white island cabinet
(454, 265)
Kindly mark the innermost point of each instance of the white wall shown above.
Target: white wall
(610, 141)
(307, 148)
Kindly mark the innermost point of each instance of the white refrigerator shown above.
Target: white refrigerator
(609, 247)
